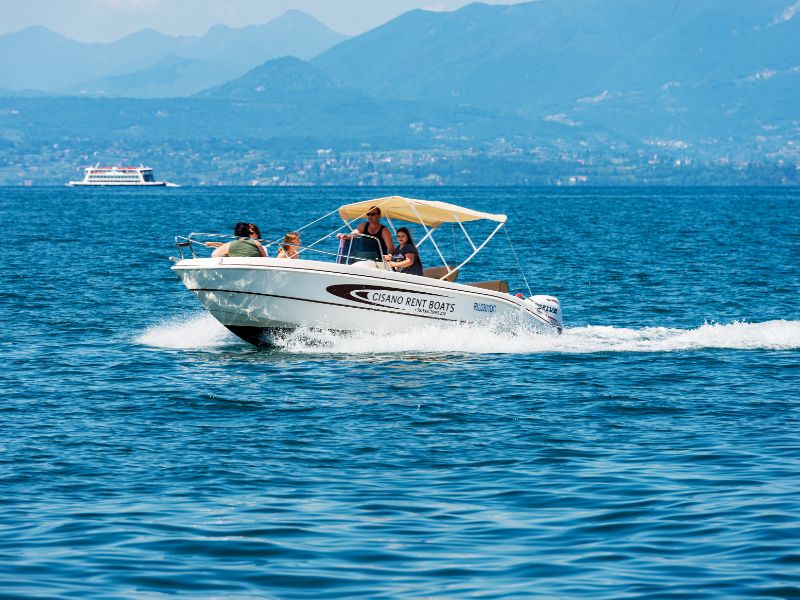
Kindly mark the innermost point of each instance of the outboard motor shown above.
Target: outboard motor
(549, 308)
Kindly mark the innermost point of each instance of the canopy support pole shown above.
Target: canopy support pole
(479, 248)
(519, 265)
(429, 234)
(426, 236)
(324, 237)
(469, 239)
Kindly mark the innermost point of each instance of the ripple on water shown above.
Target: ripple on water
(650, 451)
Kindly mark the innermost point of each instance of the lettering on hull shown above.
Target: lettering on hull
(407, 301)
(481, 307)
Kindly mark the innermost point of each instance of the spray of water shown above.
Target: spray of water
(204, 331)
(193, 332)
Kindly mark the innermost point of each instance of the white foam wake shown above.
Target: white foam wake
(195, 331)
(771, 335)
(204, 331)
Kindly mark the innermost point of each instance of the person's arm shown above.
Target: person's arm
(387, 237)
(355, 233)
(213, 244)
(400, 264)
(222, 250)
(261, 249)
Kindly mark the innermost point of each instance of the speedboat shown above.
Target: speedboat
(352, 288)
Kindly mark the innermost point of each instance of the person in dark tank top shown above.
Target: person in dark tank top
(376, 229)
(405, 258)
(246, 246)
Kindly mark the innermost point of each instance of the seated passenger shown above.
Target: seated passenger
(288, 249)
(406, 258)
(247, 244)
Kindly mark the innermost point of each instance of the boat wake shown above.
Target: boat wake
(204, 332)
(196, 331)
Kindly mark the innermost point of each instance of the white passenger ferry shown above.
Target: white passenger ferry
(120, 176)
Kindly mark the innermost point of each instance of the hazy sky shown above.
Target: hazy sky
(105, 20)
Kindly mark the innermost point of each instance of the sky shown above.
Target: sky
(107, 20)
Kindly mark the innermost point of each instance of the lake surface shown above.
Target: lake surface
(651, 451)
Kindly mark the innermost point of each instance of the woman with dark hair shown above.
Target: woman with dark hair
(246, 244)
(406, 258)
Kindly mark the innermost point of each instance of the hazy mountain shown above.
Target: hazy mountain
(349, 122)
(41, 59)
(538, 53)
(625, 81)
(287, 80)
(21, 93)
(294, 33)
(307, 103)
(169, 78)
(626, 63)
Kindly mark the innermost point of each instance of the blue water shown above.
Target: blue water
(652, 451)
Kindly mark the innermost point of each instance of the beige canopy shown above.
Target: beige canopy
(428, 212)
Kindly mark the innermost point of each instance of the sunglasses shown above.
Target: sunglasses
(373, 214)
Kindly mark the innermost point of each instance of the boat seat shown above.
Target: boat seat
(498, 285)
(439, 272)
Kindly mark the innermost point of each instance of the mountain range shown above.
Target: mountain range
(150, 64)
(675, 73)
(710, 79)
(623, 64)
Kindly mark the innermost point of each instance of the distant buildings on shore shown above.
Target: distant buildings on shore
(501, 163)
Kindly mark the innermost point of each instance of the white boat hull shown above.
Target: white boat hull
(261, 298)
(145, 184)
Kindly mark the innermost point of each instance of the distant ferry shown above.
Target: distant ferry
(120, 176)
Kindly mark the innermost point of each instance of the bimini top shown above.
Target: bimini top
(431, 213)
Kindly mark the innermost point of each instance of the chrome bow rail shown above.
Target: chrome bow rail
(187, 247)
